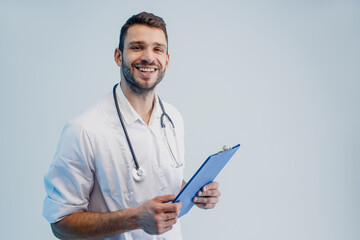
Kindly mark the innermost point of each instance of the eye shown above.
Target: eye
(136, 47)
(159, 50)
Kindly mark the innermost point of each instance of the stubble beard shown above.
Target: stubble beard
(135, 86)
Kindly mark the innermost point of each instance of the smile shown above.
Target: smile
(147, 69)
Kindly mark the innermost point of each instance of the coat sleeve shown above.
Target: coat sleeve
(70, 179)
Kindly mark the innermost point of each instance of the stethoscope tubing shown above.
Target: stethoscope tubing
(137, 166)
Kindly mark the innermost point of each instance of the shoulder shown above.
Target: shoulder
(81, 134)
(91, 120)
(93, 115)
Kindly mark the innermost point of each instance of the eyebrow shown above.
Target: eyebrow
(142, 43)
(160, 45)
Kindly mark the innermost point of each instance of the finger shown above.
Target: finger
(164, 226)
(178, 207)
(212, 185)
(170, 222)
(209, 193)
(165, 229)
(170, 216)
(165, 198)
(171, 207)
(206, 199)
(205, 205)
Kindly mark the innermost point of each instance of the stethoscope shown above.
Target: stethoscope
(138, 172)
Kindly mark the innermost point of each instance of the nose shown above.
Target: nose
(147, 56)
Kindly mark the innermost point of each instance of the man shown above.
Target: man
(113, 173)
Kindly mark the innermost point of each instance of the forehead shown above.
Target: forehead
(143, 33)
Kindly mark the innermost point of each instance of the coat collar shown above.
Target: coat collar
(129, 113)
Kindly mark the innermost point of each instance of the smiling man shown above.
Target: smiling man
(146, 53)
(115, 170)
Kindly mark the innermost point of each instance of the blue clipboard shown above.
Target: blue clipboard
(204, 175)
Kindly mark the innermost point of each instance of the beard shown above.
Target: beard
(134, 85)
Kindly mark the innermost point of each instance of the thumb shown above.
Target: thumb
(166, 198)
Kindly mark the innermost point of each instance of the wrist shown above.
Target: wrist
(135, 218)
(126, 220)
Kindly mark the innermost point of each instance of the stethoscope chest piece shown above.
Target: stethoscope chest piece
(138, 174)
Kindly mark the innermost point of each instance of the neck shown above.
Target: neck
(143, 104)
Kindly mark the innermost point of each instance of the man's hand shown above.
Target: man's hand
(156, 216)
(208, 196)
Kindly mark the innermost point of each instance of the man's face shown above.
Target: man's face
(144, 59)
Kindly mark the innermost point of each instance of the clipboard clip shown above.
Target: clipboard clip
(224, 148)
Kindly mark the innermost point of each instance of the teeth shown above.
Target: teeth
(147, 69)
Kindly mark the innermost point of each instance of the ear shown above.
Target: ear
(117, 57)
(167, 62)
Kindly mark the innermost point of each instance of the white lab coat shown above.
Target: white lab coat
(91, 170)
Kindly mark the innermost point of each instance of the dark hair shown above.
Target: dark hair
(143, 18)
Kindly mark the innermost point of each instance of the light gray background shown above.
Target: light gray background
(279, 77)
